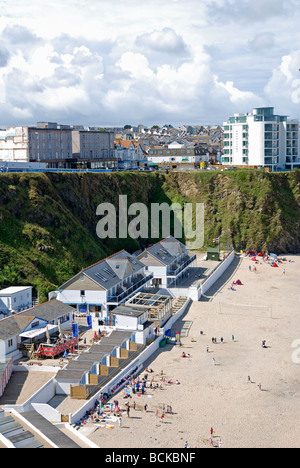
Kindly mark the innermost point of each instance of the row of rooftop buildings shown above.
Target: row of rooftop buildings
(123, 296)
(101, 291)
(257, 139)
(75, 147)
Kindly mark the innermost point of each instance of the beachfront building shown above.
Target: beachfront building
(261, 139)
(95, 368)
(136, 319)
(102, 287)
(169, 261)
(25, 328)
(15, 299)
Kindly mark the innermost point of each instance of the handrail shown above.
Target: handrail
(183, 266)
(130, 290)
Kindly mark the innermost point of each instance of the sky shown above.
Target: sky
(154, 62)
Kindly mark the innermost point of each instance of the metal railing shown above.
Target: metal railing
(182, 267)
(119, 298)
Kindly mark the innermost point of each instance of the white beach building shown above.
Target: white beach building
(30, 325)
(169, 261)
(15, 299)
(102, 287)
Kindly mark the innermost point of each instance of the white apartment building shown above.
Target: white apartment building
(262, 139)
(15, 299)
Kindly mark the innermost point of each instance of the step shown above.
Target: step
(20, 440)
(6, 420)
(11, 429)
(34, 444)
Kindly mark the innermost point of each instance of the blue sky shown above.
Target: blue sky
(147, 62)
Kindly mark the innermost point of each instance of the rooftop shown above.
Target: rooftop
(112, 270)
(16, 324)
(167, 250)
(13, 290)
(128, 311)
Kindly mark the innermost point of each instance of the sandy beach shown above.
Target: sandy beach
(214, 391)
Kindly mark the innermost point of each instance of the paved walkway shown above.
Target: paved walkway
(56, 436)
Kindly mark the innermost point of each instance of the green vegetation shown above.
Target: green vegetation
(48, 221)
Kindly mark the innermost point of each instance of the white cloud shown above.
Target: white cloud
(136, 64)
(107, 63)
(164, 41)
(240, 98)
(262, 42)
(284, 86)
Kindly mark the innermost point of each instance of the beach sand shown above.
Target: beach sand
(219, 396)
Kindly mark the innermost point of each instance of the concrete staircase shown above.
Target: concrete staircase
(178, 303)
(14, 433)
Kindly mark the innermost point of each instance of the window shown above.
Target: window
(10, 343)
(82, 293)
(64, 318)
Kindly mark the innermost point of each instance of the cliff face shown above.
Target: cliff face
(48, 221)
(247, 209)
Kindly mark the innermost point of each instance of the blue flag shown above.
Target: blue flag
(89, 321)
(75, 330)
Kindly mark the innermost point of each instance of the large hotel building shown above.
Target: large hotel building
(261, 139)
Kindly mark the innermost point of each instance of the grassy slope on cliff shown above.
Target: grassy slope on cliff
(48, 221)
(247, 209)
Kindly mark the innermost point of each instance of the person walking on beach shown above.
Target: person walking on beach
(214, 361)
(120, 422)
(128, 410)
